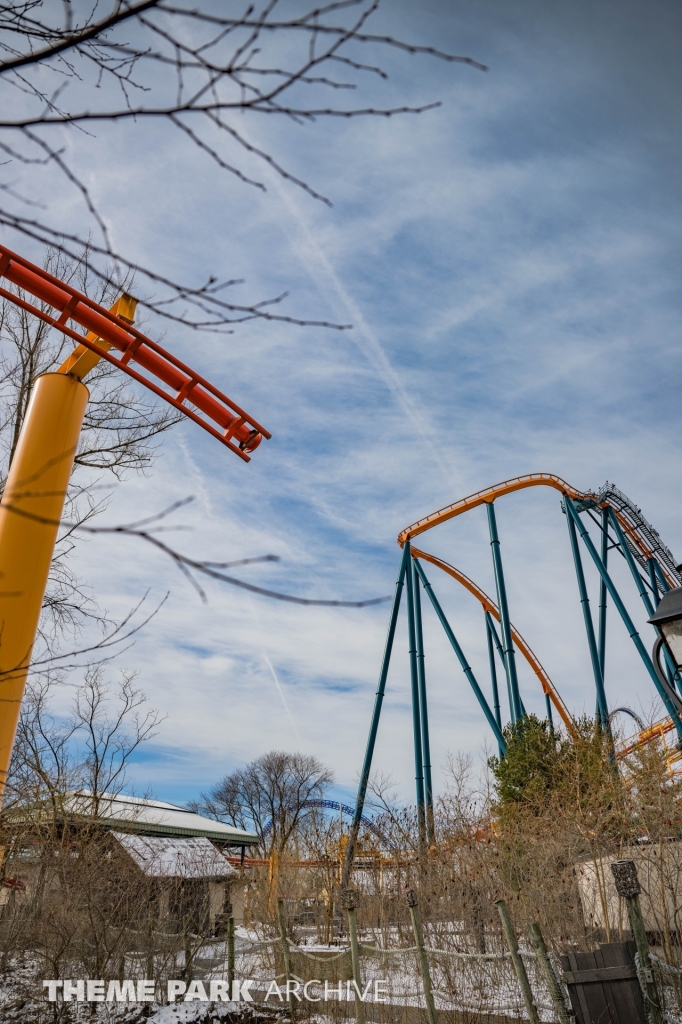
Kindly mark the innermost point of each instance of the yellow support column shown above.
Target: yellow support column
(30, 511)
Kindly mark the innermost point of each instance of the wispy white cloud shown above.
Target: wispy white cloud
(319, 267)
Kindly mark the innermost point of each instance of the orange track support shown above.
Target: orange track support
(185, 390)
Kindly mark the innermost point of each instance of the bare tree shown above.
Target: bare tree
(76, 901)
(273, 796)
(270, 795)
(87, 749)
(71, 68)
(74, 905)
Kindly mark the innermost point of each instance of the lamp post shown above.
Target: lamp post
(668, 618)
(668, 621)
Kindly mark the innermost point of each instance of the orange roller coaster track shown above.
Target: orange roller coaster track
(548, 687)
(113, 338)
(637, 531)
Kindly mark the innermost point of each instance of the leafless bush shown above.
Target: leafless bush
(545, 846)
(73, 900)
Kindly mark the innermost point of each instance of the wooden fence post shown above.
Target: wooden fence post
(285, 953)
(519, 966)
(411, 898)
(538, 944)
(230, 953)
(349, 900)
(187, 947)
(628, 887)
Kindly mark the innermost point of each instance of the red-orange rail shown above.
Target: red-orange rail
(190, 393)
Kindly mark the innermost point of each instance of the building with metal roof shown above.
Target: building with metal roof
(152, 853)
(131, 814)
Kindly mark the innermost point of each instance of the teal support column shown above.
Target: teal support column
(493, 677)
(492, 632)
(509, 655)
(673, 675)
(548, 707)
(416, 716)
(603, 592)
(653, 579)
(632, 565)
(589, 626)
(623, 612)
(498, 645)
(485, 707)
(423, 708)
(665, 586)
(374, 725)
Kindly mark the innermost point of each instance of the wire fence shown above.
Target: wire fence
(468, 988)
(472, 986)
(669, 989)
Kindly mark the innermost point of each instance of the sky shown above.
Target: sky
(510, 265)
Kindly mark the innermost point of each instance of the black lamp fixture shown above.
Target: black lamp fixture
(668, 620)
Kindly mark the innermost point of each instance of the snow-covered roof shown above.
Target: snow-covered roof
(153, 817)
(160, 857)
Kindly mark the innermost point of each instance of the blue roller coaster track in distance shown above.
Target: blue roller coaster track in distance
(334, 805)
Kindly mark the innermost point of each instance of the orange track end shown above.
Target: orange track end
(184, 389)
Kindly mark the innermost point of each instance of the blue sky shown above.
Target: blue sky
(510, 263)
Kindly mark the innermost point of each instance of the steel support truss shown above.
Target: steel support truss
(622, 527)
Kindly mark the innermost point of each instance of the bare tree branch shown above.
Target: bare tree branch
(193, 69)
(188, 565)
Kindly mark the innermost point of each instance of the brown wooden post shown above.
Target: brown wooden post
(187, 946)
(519, 966)
(230, 953)
(545, 964)
(285, 953)
(628, 888)
(412, 903)
(349, 900)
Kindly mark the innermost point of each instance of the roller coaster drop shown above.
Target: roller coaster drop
(623, 528)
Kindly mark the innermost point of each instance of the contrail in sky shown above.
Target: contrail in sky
(281, 693)
(255, 611)
(323, 273)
